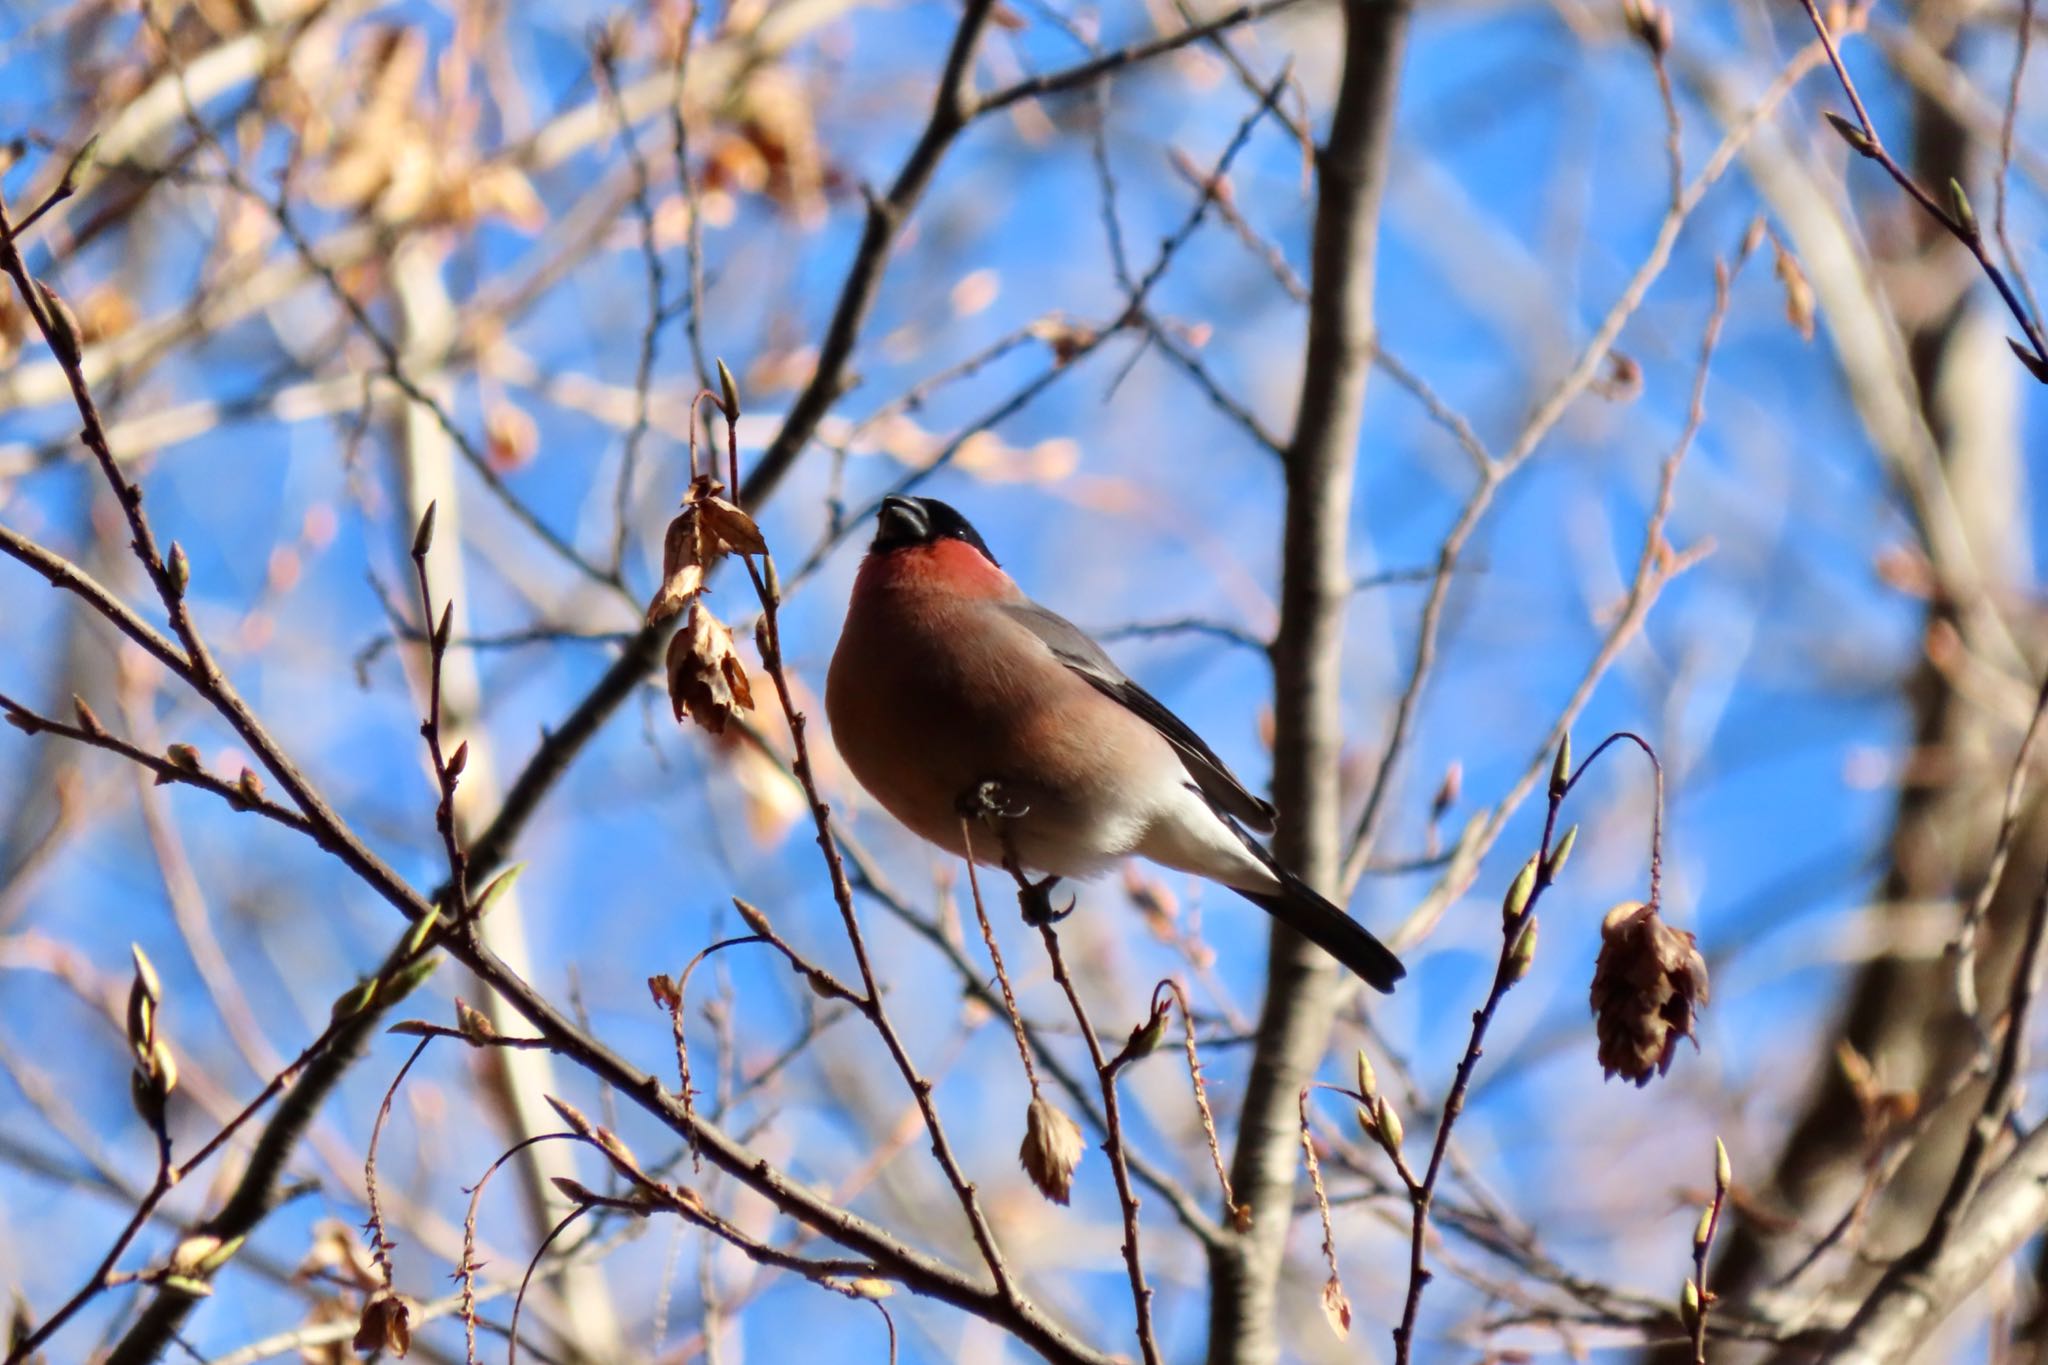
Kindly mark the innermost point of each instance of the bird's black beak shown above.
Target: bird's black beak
(901, 521)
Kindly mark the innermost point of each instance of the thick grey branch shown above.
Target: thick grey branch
(1315, 585)
(1918, 1293)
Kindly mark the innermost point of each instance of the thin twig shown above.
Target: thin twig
(447, 768)
(1422, 1192)
(988, 936)
(1702, 1247)
(381, 1244)
(2023, 45)
(1957, 223)
(2002, 1096)
(1964, 947)
(1365, 832)
(1113, 1133)
(1085, 73)
(1239, 1214)
(606, 59)
(768, 640)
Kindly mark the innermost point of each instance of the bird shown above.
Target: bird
(952, 695)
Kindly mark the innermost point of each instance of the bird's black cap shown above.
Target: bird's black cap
(903, 522)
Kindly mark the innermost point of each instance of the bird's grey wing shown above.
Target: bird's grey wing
(1072, 647)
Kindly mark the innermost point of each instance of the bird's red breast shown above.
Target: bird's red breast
(934, 688)
(951, 566)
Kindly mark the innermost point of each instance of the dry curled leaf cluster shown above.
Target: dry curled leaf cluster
(338, 1258)
(706, 679)
(1648, 985)
(386, 1325)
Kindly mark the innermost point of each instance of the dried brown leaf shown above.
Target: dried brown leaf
(706, 680)
(336, 1254)
(1648, 985)
(730, 526)
(386, 1325)
(1052, 1149)
(1799, 303)
(665, 992)
(1337, 1307)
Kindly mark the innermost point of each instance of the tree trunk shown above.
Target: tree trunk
(1301, 980)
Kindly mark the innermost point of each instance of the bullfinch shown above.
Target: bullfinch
(952, 692)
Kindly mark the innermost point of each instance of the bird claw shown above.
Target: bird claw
(993, 801)
(1035, 900)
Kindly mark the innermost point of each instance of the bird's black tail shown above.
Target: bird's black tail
(1298, 906)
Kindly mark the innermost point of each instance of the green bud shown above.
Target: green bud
(1519, 890)
(1561, 854)
(65, 337)
(222, 1254)
(571, 1115)
(1561, 767)
(1146, 1037)
(163, 1068)
(1704, 1230)
(1858, 140)
(416, 937)
(355, 999)
(729, 393)
(146, 980)
(145, 993)
(1959, 204)
(1689, 1304)
(423, 538)
(179, 569)
(1368, 1083)
(1388, 1121)
(81, 162)
(407, 979)
(1524, 954)
(141, 1021)
(1724, 1174)
(496, 889)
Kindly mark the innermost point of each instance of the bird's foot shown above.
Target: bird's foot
(1035, 900)
(992, 801)
(995, 804)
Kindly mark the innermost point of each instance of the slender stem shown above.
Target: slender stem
(1112, 1146)
(995, 954)
(166, 1177)
(1963, 230)
(1422, 1193)
(769, 640)
(445, 776)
